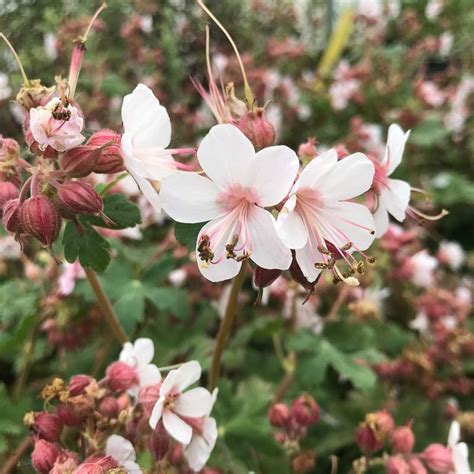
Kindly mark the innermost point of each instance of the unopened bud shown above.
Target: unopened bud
(121, 376)
(438, 458)
(80, 161)
(148, 397)
(403, 440)
(109, 407)
(8, 191)
(34, 94)
(416, 467)
(78, 384)
(279, 415)
(75, 197)
(44, 456)
(397, 465)
(68, 414)
(257, 129)
(305, 411)
(40, 219)
(366, 440)
(307, 150)
(159, 442)
(110, 159)
(381, 423)
(11, 216)
(45, 425)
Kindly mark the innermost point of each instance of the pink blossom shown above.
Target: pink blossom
(69, 274)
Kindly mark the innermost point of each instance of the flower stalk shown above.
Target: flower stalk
(226, 326)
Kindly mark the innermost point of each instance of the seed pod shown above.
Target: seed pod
(11, 216)
(75, 197)
(80, 161)
(40, 219)
(110, 160)
(257, 129)
(8, 191)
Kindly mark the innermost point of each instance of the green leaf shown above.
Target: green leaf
(85, 244)
(120, 210)
(186, 234)
(172, 300)
(429, 133)
(130, 307)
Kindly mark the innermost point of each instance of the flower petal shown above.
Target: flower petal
(381, 220)
(396, 141)
(190, 198)
(225, 154)
(226, 268)
(144, 350)
(454, 434)
(148, 191)
(148, 375)
(120, 449)
(461, 459)
(194, 403)
(200, 448)
(156, 414)
(145, 119)
(268, 251)
(290, 226)
(396, 198)
(306, 263)
(345, 222)
(351, 177)
(187, 374)
(132, 467)
(316, 171)
(272, 173)
(169, 383)
(176, 427)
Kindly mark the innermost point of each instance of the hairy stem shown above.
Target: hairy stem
(226, 326)
(106, 306)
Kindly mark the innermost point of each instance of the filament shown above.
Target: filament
(26, 82)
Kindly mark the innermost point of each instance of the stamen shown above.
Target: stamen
(427, 217)
(346, 247)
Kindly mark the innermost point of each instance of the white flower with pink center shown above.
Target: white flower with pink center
(147, 134)
(139, 356)
(320, 223)
(56, 125)
(393, 195)
(181, 410)
(204, 439)
(240, 186)
(121, 450)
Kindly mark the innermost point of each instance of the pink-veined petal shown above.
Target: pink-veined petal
(145, 119)
(290, 226)
(381, 220)
(190, 198)
(176, 427)
(315, 172)
(272, 173)
(120, 449)
(187, 374)
(396, 198)
(268, 251)
(306, 262)
(396, 141)
(156, 413)
(144, 350)
(156, 164)
(351, 177)
(148, 375)
(226, 268)
(345, 222)
(194, 403)
(225, 154)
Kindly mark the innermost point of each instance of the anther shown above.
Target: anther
(321, 266)
(346, 247)
(324, 250)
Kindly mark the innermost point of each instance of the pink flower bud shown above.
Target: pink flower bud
(110, 160)
(109, 407)
(47, 426)
(11, 216)
(121, 376)
(78, 384)
(396, 465)
(148, 397)
(307, 150)
(264, 277)
(279, 415)
(75, 197)
(44, 456)
(381, 422)
(159, 442)
(80, 161)
(416, 467)
(257, 129)
(438, 458)
(8, 191)
(68, 414)
(403, 440)
(341, 151)
(305, 411)
(366, 440)
(40, 219)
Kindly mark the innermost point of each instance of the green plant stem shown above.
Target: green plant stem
(106, 306)
(226, 326)
(29, 348)
(12, 463)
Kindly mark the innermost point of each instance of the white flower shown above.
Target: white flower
(452, 254)
(50, 45)
(393, 195)
(58, 134)
(421, 324)
(459, 450)
(147, 133)
(433, 9)
(139, 355)
(123, 452)
(422, 265)
(5, 89)
(178, 408)
(70, 272)
(203, 441)
(318, 220)
(241, 184)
